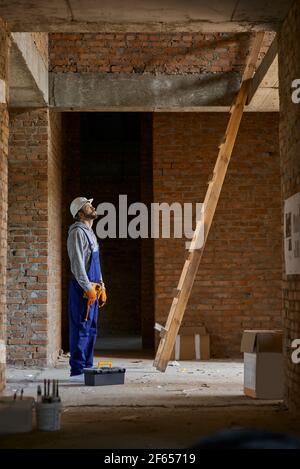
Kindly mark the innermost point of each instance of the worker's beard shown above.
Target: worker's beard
(91, 216)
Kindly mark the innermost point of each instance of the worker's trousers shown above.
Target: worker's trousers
(83, 333)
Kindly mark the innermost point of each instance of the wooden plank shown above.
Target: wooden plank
(190, 269)
(183, 274)
(168, 323)
(252, 59)
(268, 64)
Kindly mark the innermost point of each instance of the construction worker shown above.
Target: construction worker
(86, 289)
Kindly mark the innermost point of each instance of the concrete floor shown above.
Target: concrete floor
(152, 409)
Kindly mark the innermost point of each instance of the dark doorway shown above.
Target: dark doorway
(107, 155)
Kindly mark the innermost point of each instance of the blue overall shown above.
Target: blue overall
(83, 334)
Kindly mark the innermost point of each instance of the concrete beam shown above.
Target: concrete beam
(144, 15)
(95, 91)
(266, 100)
(264, 90)
(28, 79)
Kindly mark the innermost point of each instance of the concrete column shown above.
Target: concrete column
(28, 84)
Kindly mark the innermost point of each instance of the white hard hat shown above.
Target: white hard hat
(77, 204)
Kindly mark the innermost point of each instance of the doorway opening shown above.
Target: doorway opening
(107, 155)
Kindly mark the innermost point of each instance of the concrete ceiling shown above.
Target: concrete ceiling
(150, 15)
(144, 15)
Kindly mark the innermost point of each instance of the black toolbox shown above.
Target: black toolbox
(104, 375)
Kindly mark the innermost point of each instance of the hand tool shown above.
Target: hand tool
(87, 312)
(101, 296)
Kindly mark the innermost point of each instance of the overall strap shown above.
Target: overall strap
(89, 241)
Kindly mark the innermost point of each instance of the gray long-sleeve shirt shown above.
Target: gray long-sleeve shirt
(80, 252)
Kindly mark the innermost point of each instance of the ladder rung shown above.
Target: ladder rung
(161, 329)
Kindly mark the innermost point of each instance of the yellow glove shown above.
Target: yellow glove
(91, 295)
(97, 291)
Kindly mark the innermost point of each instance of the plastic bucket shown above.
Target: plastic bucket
(48, 416)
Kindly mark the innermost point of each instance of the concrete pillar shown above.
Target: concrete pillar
(28, 83)
(4, 52)
(289, 70)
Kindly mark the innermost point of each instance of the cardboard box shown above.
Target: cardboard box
(16, 416)
(192, 343)
(263, 364)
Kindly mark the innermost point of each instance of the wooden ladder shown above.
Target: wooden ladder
(169, 332)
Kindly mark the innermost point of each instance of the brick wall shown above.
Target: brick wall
(4, 48)
(289, 69)
(169, 54)
(33, 231)
(54, 236)
(150, 53)
(239, 282)
(238, 285)
(27, 238)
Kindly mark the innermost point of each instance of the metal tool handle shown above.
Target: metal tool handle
(87, 312)
(104, 363)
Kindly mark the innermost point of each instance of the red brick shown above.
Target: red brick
(151, 53)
